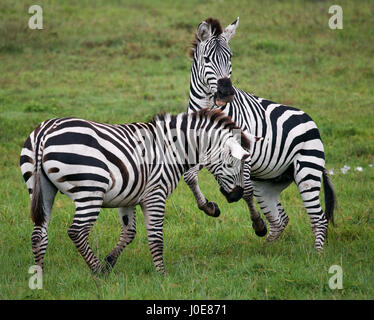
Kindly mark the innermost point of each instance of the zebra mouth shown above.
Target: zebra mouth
(234, 195)
(222, 100)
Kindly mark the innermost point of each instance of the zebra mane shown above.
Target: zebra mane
(216, 31)
(215, 115)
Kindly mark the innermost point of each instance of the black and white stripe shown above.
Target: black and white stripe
(120, 166)
(291, 148)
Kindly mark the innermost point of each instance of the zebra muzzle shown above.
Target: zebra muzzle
(233, 196)
(225, 91)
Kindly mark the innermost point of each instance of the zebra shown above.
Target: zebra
(291, 148)
(100, 165)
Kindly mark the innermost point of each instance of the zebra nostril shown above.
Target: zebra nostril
(224, 83)
(240, 191)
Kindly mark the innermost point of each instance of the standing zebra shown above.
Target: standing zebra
(291, 148)
(120, 166)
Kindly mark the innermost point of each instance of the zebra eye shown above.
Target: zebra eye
(229, 165)
(206, 59)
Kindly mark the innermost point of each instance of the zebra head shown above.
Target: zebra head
(212, 59)
(226, 164)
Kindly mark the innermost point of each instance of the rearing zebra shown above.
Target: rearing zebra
(100, 165)
(291, 150)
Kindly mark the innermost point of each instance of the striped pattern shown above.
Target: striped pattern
(291, 150)
(120, 166)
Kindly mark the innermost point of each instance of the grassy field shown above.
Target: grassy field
(124, 61)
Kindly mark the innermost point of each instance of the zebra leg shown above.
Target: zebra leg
(39, 237)
(283, 215)
(154, 210)
(86, 214)
(267, 195)
(308, 181)
(191, 178)
(258, 223)
(128, 220)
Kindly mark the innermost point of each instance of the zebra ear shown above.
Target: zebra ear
(203, 31)
(253, 138)
(230, 30)
(237, 150)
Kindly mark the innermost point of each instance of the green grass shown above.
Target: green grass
(119, 62)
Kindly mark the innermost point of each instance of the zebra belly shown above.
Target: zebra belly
(124, 199)
(286, 176)
(79, 181)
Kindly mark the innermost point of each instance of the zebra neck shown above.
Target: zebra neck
(197, 102)
(199, 95)
(247, 110)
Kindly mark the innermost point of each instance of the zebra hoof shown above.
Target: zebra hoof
(319, 249)
(212, 209)
(262, 232)
(99, 271)
(273, 236)
(109, 263)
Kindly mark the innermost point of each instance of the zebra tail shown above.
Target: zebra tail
(330, 197)
(37, 212)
